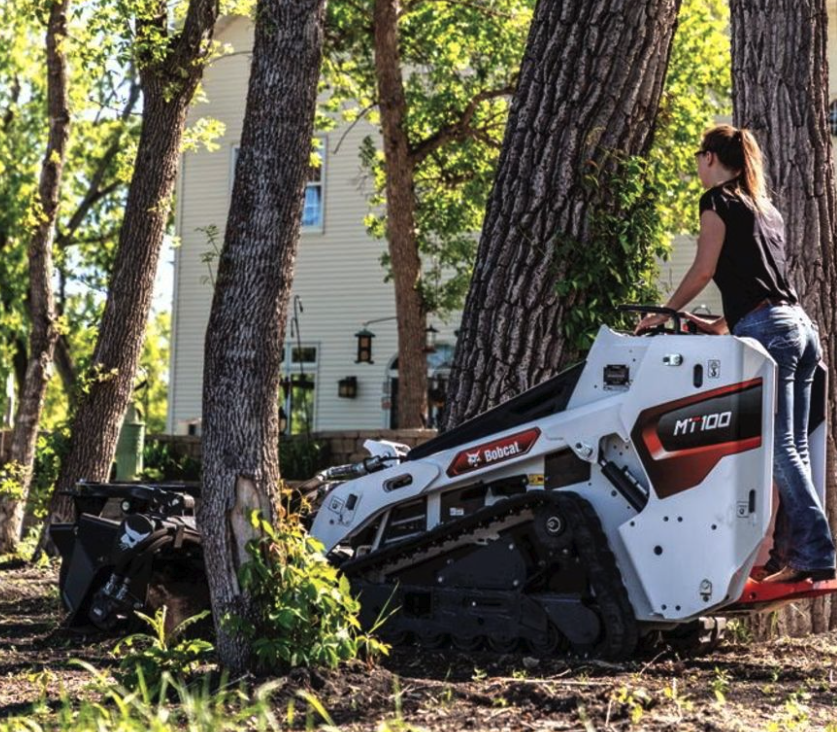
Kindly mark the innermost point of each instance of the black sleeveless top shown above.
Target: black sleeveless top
(751, 266)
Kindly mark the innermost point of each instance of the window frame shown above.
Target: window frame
(310, 369)
(311, 229)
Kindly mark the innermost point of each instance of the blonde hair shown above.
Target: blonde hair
(737, 149)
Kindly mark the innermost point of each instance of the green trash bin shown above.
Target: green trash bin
(130, 446)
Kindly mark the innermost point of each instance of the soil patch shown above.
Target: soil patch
(785, 684)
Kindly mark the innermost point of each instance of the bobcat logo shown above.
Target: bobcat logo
(491, 453)
(131, 538)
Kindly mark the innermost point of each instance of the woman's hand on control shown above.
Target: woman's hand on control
(714, 326)
(649, 322)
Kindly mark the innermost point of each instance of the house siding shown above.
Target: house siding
(338, 277)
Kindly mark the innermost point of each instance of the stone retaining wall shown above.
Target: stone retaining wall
(341, 446)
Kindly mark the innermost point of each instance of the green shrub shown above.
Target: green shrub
(300, 458)
(50, 449)
(161, 463)
(306, 613)
(149, 658)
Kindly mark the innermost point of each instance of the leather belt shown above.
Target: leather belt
(768, 302)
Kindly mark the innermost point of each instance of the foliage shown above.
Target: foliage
(176, 707)
(638, 202)
(153, 385)
(635, 701)
(306, 613)
(149, 658)
(106, 47)
(460, 61)
(720, 685)
(617, 263)
(92, 188)
(161, 463)
(300, 458)
(11, 476)
(49, 451)
(698, 91)
(153, 376)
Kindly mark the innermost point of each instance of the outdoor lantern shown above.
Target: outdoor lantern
(364, 346)
(347, 388)
(430, 339)
(283, 420)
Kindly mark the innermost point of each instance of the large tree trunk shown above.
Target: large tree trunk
(590, 84)
(246, 331)
(400, 228)
(168, 84)
(43, 333)
(780, 92)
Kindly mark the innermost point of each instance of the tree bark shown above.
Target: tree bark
(43, 333)
(780, 92)
(246, 331)
(400, 228)
(590, 84)
(168, 82)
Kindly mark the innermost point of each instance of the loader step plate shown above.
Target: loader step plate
(766, 596)
(533, 571)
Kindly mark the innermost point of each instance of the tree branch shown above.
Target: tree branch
(460, 129)
(66, 368)
(362, 114)
(9, 114)
(95, 192)
(197, 30)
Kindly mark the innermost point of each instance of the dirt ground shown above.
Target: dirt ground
(786, 684)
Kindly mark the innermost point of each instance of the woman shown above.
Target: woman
(741, 246)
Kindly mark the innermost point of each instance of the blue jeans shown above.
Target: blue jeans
(802, 538)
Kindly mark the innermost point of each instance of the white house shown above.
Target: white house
(339, 282)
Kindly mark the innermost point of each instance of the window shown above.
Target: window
(299, 383)
(312, 211)
(832, 117)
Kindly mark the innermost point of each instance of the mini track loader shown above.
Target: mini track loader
(629, 496)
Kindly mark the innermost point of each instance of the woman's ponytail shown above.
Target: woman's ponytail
(738, 150)
(752, 170)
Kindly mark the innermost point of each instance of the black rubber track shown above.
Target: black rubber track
(609, 596)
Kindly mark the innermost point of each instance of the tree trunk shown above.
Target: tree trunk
(168, 85)
(780, 92)
(401, 233)
(43, 333)
(246, 331)
(590, 84)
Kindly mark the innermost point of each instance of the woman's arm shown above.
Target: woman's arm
(709, 244)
